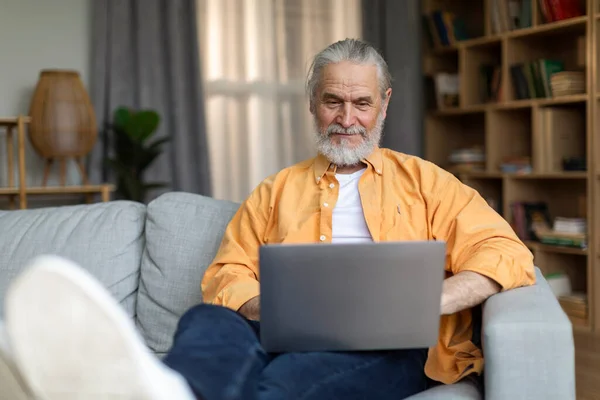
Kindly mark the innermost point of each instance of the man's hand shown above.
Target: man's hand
(251, 309)
(466, 290)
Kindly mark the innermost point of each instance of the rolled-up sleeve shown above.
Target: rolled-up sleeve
(232, 278)
(478, 238)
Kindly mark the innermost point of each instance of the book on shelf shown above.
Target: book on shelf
(528, 218)
(508, 15)
(444, 28)
(532, 80)
(558, 141)
(447, 87)
(491, 83)
(558, 10)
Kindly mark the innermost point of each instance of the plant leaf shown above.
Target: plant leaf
(121, 117)
(143, 124)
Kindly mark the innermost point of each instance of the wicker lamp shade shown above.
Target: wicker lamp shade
(63, 122)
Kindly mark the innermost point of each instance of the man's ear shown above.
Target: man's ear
(311, 107)
(386, 101)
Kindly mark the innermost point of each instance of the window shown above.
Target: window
(255, 55)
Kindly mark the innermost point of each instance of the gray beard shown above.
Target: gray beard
(342, 155)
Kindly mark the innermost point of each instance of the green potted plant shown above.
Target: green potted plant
(134, 151)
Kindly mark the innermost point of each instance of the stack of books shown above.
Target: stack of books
(567, 83)
(570, 232)
(466, 160)
(531, 221)
(447, 87)
(516, 165)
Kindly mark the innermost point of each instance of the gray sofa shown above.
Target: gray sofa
(152, 259)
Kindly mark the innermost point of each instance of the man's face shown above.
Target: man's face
(349, 112)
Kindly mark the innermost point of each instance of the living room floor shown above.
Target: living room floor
(587, 365)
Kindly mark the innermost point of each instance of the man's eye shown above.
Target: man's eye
(363, 104)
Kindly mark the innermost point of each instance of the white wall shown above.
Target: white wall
(34, 35)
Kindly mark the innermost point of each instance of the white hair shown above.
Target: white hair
(351, 50)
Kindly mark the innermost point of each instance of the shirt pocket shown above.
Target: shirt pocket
(410, 222)
(294, 228)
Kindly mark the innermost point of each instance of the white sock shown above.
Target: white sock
(71, 339)
(12, 385)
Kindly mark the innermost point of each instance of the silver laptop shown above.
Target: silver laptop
(350, 297)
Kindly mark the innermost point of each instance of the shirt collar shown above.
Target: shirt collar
(322, 164)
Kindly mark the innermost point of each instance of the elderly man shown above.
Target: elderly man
(353, 191)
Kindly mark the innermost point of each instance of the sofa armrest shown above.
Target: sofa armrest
(528, 345)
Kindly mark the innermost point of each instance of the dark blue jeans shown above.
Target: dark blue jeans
(219, 353)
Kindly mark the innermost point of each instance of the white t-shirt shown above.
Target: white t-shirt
(349, 224)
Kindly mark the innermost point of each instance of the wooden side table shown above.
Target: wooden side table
(22, 191)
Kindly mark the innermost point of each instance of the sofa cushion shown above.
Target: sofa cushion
(183, 233)
(107, 239)
(463, 390)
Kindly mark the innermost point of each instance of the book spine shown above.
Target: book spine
(557, 10)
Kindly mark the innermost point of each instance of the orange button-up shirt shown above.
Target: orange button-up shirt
(403, 198)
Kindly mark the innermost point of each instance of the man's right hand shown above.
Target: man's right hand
(251, 309)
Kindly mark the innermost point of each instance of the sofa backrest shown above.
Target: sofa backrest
(107, 239)
(183, 233)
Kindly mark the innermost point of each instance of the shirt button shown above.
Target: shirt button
(325, 204)
(378, 171)
(322, 238)
(318, 179)
(331, 185)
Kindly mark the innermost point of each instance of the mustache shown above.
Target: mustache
(353, 130)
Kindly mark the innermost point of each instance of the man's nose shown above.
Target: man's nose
(346, 117)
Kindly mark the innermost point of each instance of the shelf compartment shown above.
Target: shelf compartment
(489, 188)
(564, 198)
(440, 61)
(572, 265)
(575, 267)
(559, 135)
(530, 62)
(448, 133)
(508, 136)
(484, 62)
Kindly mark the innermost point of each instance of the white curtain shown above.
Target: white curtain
(255, 56)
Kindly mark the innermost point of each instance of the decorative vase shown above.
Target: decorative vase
(63, 122)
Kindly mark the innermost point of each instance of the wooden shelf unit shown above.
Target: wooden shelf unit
(509, 127)
(20, 191)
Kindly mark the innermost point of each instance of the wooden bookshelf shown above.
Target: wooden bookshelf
(511, 125)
